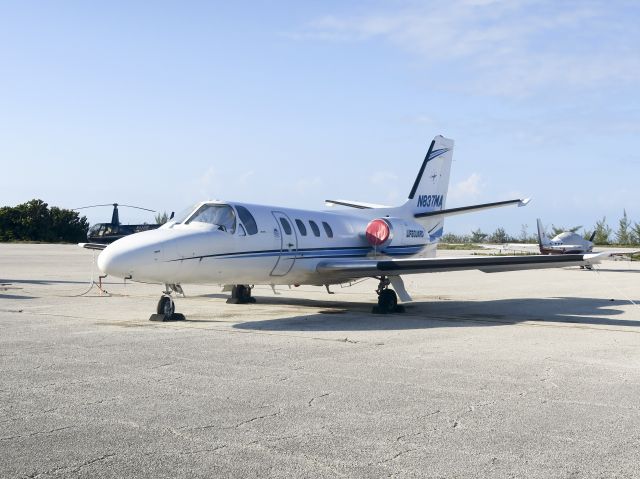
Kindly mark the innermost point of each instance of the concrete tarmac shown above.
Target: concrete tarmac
(531, 374)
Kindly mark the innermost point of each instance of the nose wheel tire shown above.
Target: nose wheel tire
(166, 306)
(166, 310)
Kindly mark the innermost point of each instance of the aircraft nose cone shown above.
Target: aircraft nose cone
(112, 261)
(137, 257)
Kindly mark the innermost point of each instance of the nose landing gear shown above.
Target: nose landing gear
(387, 299)
(166, 309)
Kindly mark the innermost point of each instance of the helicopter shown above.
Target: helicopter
(106, 233)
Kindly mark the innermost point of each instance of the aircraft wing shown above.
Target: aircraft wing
(488, 264)
(97, 246)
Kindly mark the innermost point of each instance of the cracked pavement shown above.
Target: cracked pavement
(522, 375)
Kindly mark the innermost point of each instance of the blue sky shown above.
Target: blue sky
(163, 104)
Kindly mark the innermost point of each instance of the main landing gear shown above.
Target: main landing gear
(387, 298)
(241, 294)
(166, 310)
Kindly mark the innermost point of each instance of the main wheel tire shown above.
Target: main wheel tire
(243, 293)
(166, 306)
(387, 301)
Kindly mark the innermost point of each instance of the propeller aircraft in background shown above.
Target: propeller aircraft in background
(238, 245)
(567, 242)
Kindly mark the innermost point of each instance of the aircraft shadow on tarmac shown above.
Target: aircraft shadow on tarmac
(15, 296)
(342, 316)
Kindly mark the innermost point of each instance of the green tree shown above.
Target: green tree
(34, 221)
(67, 226)
(603, 232)
(635, 233)
(499, 236)
(556, 230)
(623, 235)
(524, 233)
(162, 218)
(478, 236)
(452, 238)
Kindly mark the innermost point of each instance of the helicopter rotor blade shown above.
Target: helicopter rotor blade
(138, 207)
(116, 205)
(92, 206)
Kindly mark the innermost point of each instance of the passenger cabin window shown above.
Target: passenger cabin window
(247, 219)
(314, 228)
(285, 226)
(327, 229)
(301, 227)
(221, 216)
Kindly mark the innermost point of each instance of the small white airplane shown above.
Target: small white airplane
(239, 245)
(566, 242)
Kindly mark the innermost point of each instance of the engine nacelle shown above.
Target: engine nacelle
(382, 233)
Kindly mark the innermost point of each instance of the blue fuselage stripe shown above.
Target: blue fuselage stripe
(313, 253)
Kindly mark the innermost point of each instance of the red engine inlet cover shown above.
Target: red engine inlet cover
(377, 232)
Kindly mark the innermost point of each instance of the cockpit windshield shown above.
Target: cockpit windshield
(221, 216)
(183, 215)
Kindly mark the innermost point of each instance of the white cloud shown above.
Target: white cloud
(467, 189)
(505, 47)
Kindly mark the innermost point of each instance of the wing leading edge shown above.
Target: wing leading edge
(487, 264)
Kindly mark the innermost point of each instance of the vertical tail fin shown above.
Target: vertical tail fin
(542, 236)
(429, 192)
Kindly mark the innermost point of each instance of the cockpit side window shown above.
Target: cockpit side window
(183, 215)
(221, 216)
(247, 219)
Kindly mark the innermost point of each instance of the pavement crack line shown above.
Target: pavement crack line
(395, 456)
(317, 397)
(257, 418)
(37, 433)
(74, 468)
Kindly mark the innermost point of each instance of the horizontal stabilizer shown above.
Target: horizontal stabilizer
(354, 204)
(95, 246)
(472, 208)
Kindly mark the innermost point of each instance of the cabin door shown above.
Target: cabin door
(288, 244)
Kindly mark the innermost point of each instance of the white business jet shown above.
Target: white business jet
(239, 245)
